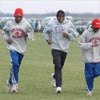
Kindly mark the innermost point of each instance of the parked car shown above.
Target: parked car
(3, 21)
(81, 26)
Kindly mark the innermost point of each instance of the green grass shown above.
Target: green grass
(35, 74)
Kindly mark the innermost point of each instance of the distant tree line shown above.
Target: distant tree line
(76, 15)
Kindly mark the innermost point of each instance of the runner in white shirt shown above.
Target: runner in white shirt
(58, 34)
(89, 42)
(16, 32)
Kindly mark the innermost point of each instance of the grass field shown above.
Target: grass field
(35, 74)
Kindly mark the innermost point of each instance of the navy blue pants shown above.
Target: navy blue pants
(91, 71)
(16, 59)
(58, 60)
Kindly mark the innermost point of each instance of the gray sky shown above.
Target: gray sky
(45, 6)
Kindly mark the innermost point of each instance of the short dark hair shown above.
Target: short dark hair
(60, 12)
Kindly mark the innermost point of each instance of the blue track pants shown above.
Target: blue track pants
(16, 59)
(91, 71)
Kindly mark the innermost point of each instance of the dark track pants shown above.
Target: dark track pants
(58, 60)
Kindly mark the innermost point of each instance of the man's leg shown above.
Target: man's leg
(16, 59)
(89, 75)
(57, 62)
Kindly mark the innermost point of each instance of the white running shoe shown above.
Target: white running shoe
(9, 87)
(89, 93)
(58, 90)
(14, 88)
(53, 82)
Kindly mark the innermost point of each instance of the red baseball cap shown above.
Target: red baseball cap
(18, 12)
(96, 23)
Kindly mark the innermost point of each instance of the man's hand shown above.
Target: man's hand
(9, 41)
(24, 33)
(65, 34)
(49, 42)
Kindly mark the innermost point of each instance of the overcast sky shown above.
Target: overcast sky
(45, 6)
